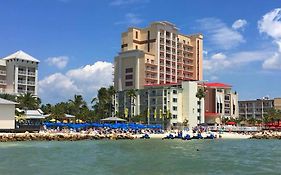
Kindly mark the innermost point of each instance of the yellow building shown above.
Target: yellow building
(155, 55)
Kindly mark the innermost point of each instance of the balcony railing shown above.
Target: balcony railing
(3, 82)
(31, 73)
(31, 82)
(31, 91)
(22, 72)
(21, 91)
(21, 81)
(2, 72)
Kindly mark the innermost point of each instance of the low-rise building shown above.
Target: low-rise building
(178, 101)
(257, 108)
(19, 74)
(220, 102)
(7, 114)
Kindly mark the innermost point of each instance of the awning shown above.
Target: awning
(231, 123)
(114, 119)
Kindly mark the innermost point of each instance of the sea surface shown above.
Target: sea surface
(142, 157)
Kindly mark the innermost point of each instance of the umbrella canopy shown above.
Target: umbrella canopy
(113, 119)
(231, 123)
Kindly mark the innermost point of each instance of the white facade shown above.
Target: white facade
(7, 114)
(19, 74)
(179, 100)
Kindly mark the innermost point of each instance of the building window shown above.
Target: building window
(148, 38)
(129, 83)
(175, 92)
(175, 100)
(129, 77)
(129, 70)
(175, 108)
(137, 34)
(174, 116)
(137, 48)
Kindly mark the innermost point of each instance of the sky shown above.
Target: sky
(77, 40)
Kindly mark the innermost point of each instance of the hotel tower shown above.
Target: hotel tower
(157, 55)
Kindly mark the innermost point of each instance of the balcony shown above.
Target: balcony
(22, 72)
(21, 82)
(3, 82)
(21, 91)
(32, 83)
(31, 91)
(2, 72)
(151, 64)
(31, 73)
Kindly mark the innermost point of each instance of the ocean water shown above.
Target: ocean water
(135, 157)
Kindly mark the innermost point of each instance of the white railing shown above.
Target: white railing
(22, 72)
(31, 82)
(2, 81)
(234, 128)
(21, 81)
(31, 73)
(2, 72)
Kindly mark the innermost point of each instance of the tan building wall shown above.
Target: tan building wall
(176, 57)
(7, 116)
(277, 103)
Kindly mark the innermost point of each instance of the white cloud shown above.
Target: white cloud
(85, 80)
(213, 78)
(130, 19)
(60, 61)
(270, 24)
(219, 34)
(239, 24)
(221, 61)
(273, 63)
(218, 56)
(126, 2)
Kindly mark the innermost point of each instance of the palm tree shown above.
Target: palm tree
(8, 97)
(111, 92)
(28, 101)
(201, 93)
(132, 94)
(78, 103)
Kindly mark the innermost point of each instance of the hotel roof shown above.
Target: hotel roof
(217, 85)
(21, 55)
(6, 102)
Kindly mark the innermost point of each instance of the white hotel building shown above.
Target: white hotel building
(19, 74)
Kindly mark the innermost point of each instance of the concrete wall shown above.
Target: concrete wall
(190, 104)
(7, 116)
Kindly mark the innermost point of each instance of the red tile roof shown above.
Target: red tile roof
(215, 84)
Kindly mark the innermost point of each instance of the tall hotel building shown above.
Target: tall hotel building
(158, 61)
(19, 74)
(158, 54)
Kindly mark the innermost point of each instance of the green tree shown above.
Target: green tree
(8, 97)
(201, 93)
(102, 104)
(28, 101)
(132, 94)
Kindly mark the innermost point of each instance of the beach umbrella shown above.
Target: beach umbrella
(52, 120)
(160, 113)
(126, 112)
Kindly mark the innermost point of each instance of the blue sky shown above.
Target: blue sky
(76, 40)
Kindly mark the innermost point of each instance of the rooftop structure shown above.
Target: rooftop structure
(19, 74)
